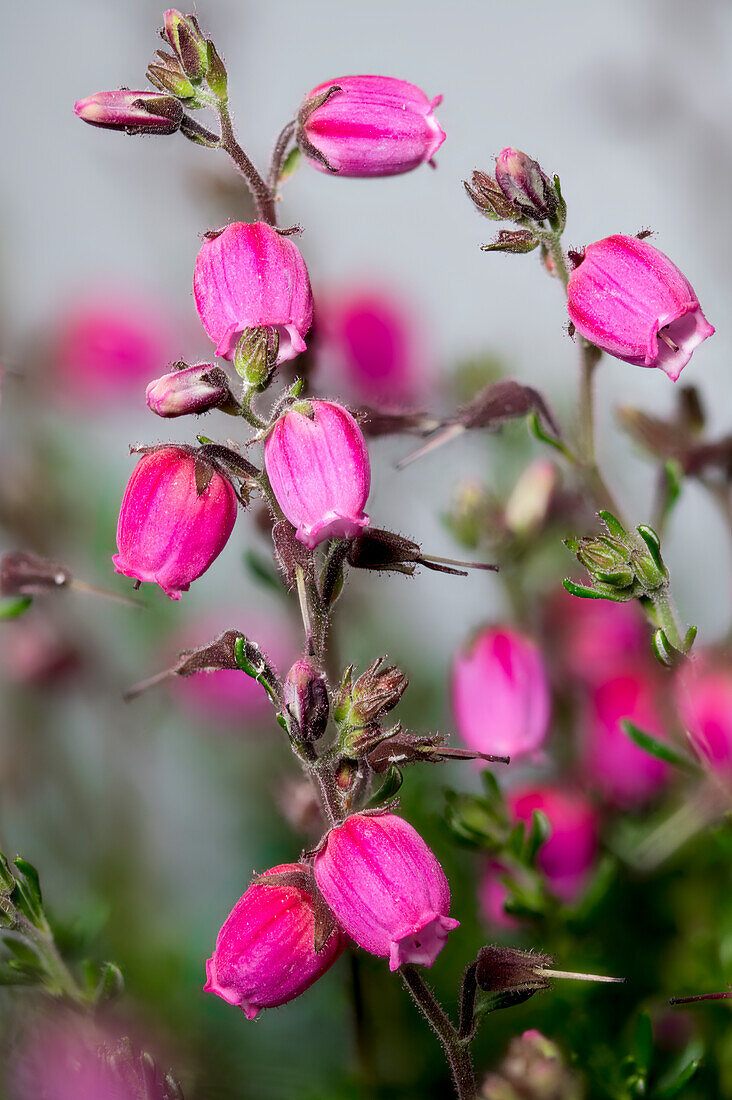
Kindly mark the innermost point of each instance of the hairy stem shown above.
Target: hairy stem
(261, 192)
(457, 1050)
(278, 155)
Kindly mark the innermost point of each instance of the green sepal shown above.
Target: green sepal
(584, 592)
(613, 524)
(291, 164)
(653, 543)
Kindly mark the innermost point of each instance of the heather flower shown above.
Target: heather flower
(567, 855)
(631, 301)
(586, 637)
(169, 532)
(194, 389)
(526, 186)
(386, 888)
(265, 953)
(368, 126)
(249, 277)
(500, 694)
(318, 466)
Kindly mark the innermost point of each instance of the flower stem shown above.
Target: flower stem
(261, 192)
(278, 155)
(457, 1050)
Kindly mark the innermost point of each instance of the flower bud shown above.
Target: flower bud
(488, 197)
(386, 888)
(256, 355)
(318, 466)
(189, 45)
(528, 505)
(704, 698)
(135, 112)
(623, 773)
(630, 300)
(374, 694)
(368, 126)
(176, 517)
(188, 390)
(250, 277)
(306, 699)
(265, 953)
(533, 1069)
(525, 185)
(500, 694)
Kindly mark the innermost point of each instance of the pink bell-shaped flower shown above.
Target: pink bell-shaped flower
(386, 888)
(369, 126)
(169, 532)
(631, 301)
(566, 857)
(318, 466)
(500, 694)
(250, 276)
(265, 953)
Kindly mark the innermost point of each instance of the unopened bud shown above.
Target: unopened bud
(374, 694)
(528, 505)
(189, 45)
(188, 390)
(134, 112)
(533, 1069)
(525, 185)
(255, 357)
(306, 699)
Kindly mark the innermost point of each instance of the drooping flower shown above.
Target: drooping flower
(587, 637)
(614, 765)
(136, 112)
(169, 532)
(631, 301)
(566, 857)
(386, 888)
(368, 126)
(265, 952)
(249, 276)
(500, 694)
(318, 466)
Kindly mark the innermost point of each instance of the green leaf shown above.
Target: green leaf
(643, 1042)
(11, 609)
(291, 164)
(537, 430)
(679, 1076)
(30, 874)
(539, 831)
(586, 593)
(256, 673)
(654, 747)
(388, 788)
(662, 649)
(110, 983)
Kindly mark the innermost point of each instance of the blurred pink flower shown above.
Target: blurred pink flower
(586, 637)
(500, 694)
(703, 694)
(371, 348)
(566, 857)
(622, 773)
(108, 343)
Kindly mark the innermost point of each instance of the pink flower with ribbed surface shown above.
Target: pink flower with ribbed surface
(265, 953)
(386, 888)
(371, 126)
(318, 466)
(168, 532)
(250, 276)
(137, 112)
(500, 694)
(631, 301)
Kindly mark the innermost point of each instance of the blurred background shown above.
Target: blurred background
(148, 818)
